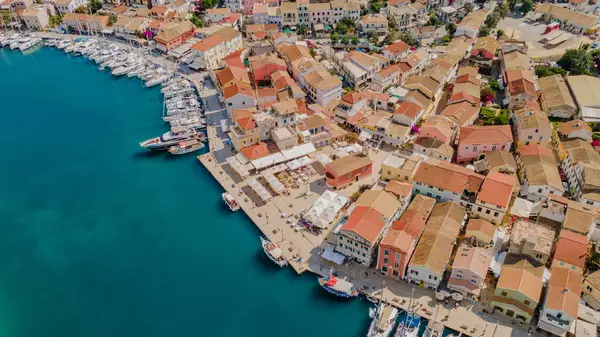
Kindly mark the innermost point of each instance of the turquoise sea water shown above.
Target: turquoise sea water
(101, 238)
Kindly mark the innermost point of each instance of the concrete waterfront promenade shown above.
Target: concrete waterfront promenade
(302, 250)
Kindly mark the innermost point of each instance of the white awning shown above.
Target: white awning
(298, 151)
(325, 209)
(259, 189)
(330, 255)
(267, 161)
(324, 159)
(237, 167)
(275, 184)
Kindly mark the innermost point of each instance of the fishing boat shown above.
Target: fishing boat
(273, 252)
(186, 146)
(168, 139)
(384, 318)
(338, 286)
(230, 201)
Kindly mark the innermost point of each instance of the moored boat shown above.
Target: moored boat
(409, 327)
(273, 252)
(168, 139)
(338, 287)
(230, 201)
(186, 146)
(384, 318)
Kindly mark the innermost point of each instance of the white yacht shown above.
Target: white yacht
(31, 43)
(169, 139)
(22, 40)
(10, 39)
(63, 44)
(156, 80)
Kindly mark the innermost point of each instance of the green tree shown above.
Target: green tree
(409, 39)
(544, 71)
(468, 7)
(526, 6)
(81, 10)
(484, 31)
(55, 20)
(503, 9)
(112, 18)
(302, 30)
(499, 33)
(355, 40)
(345, 40)
(197, 20)
(492, 20)
(577, 62)
(512, 4)
(95, 5)
(494, 85)
(434, 21)
(372, 36)
(334, 38)
(451, 28)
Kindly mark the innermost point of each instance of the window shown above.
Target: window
(538, 256)
(504, 293)
(395, 273)
(458, 276)
(529, 137)
(386, 260)
(386, 252)
(495, 213)
(229, 104)
(474, 281)
(559, 315)
(478, 209)
(526, 302)
(487, 211)
(384, 269)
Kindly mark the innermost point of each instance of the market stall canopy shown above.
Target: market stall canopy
(237, 167)
(259, 189)
(275, 184)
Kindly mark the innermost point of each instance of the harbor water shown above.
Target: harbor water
(99, 237)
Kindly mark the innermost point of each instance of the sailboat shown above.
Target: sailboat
(409, 327)
(384, 318)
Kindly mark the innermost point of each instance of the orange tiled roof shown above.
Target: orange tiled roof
(486, 134)
(571, 248)
(409, 109)
(257, 151)
(366, 222)
(497, 189)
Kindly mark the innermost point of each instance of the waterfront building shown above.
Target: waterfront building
(581, 167)
(575, 129)
(244, 131)
(531, 239)
(519, 288)
(173, 35)
(36, 17)
(376, 23)
(432, 254)
(482, 230)
(591, 290)
(397, 246)
(85, 23)
(538, 172)
(520, 88)
(447, 182)
(476, 140)
(400, 168)
(561, 304)
(555, 97)
(586, 96)
(531, 124)
(239, 96)
(347, 170)
(494, 197)
(128, 28)
(469, 270)
(374, 213)
(209, 52)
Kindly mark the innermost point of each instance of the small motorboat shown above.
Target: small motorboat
(273, 252)
(230, 201)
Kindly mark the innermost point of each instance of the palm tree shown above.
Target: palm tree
(302, 29)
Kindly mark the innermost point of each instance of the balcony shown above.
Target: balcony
(553, 318)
